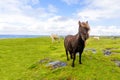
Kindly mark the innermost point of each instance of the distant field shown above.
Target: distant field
(20, 60)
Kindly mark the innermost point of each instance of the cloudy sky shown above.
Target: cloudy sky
(44, 17)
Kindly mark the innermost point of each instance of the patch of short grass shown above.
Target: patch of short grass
(20, 60)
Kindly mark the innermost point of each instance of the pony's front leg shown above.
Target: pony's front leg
(80, 54)
(74, 56)
(80, 58)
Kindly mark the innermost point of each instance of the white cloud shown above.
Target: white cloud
(35, 1)
(69, 2)
(52, 8)
(96, 10)
(19, 17)
(105, 30)
(27, 20)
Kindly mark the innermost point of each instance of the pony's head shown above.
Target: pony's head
(84, 30)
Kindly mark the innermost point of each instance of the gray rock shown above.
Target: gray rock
(91, 49)
(56, 64)
(117, 62)
(106, 52)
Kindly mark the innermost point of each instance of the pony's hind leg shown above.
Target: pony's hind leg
(71, 55)
(67, 55)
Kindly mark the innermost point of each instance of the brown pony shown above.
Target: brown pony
(76, 43)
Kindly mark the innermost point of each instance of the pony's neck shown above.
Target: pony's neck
(79, 38)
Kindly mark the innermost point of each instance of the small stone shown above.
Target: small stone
(56, 64)
(107, 52)
(117, 63)
(93, 51)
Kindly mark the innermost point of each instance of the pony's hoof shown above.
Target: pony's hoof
(67, 59)
(80, 63)
(73, 65)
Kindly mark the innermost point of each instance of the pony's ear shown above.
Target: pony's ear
(79, 23)
(87, 22)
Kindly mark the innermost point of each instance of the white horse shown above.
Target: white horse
(54, 37)
(97, 38)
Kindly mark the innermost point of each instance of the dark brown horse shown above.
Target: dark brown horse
(76, 43)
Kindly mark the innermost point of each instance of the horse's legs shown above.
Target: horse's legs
(67, 55)
(71, 55)
(80, 58)
(74, 56)
(52, 40)
(80, 54)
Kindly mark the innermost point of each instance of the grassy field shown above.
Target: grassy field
(20, 60)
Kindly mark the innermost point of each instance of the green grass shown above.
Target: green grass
(20, 60)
